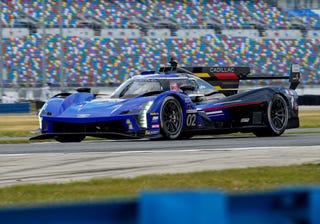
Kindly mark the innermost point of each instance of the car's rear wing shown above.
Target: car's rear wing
(227, 78)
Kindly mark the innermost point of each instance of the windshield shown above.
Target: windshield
(135, 87)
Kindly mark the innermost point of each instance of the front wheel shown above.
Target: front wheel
(171, 118)
(277, 116)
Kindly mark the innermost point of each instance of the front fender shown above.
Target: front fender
(184, 100)
(186, 104)
(57, 105)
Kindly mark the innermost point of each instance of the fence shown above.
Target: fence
(23, 107)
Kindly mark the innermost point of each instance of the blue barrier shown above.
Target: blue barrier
(183, 207)
(123, 212)
(284, 206)
(6, 108)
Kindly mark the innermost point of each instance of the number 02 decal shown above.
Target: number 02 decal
(191, 120)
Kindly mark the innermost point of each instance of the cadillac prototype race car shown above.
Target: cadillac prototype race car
(174, 103)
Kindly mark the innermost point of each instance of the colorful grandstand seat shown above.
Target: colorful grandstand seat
(99, 61)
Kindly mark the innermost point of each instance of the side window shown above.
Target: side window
(193, 83)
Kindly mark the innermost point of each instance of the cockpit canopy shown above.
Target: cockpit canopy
(144, 84)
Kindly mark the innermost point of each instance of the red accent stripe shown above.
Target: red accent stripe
(226, 75)
(233, 105)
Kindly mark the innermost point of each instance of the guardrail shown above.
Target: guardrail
(285, 206)
(6, 108)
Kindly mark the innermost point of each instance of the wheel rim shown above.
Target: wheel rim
(278, 114)
(172, 118)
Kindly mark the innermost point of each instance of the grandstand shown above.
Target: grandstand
(98, 43)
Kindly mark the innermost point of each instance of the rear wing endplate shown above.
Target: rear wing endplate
(295, 76)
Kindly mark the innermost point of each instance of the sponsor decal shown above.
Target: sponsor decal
(155, 126)
(245, 120)
(222, 69)
(153, 132)
(191, 111)
(155, 118)
(224, 73)
(154, 113)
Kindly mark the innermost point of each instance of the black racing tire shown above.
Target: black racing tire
(277, 118)
(70, 138)
(171, 118)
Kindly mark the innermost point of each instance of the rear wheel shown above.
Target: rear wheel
(70, 138)
(277, 115)
(171, 118)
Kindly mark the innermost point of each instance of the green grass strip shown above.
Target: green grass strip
(230, 180)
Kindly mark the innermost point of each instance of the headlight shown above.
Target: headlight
(40, 113)
(40, 123)
(143, 120)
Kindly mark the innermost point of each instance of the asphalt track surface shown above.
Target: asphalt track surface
(45, 162)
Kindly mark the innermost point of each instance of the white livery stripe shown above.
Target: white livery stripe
(217, 112)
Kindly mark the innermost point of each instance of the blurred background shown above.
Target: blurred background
(100, 44)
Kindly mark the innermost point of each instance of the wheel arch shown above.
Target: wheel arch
(183, 104)
(171, 121)
(275, 117)
(285, 99)
(177, 96)
(284, 96)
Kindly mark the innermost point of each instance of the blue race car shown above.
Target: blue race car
(174, 103)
